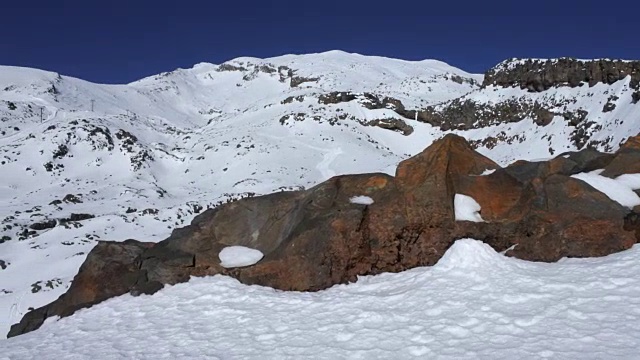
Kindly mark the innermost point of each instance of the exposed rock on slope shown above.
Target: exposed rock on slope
(316, 238)
(540, 75)
(472, 111)
(466, 114)
(519, 90)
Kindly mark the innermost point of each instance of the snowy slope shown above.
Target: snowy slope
(153, 153)
(137, 160)
(473, 304)
(526, 140)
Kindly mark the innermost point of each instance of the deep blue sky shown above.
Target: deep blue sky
(121, 41)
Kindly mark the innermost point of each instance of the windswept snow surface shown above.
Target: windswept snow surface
(238, 256)
(473, 304)
(466, 208)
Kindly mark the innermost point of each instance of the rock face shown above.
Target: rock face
(317, 238)
(540, 75)
(392, 124)
(461, 114)
(465, 114)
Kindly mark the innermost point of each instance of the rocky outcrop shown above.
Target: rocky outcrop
(549, 214)
(465, 114)
(540, 75)
(368, 100)
(393, 125)
(43, 225)
(460, 114)
(299, 80)
(319, 237)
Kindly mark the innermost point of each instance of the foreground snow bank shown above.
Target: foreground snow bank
(473, 304)
(238, 256)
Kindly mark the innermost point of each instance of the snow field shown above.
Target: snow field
(473, 304)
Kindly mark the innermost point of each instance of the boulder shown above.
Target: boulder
(543, 209)
(320, 237)
(393, 125)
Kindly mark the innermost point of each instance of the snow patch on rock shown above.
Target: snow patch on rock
(239, 256)
(361, 199)
(466, 208)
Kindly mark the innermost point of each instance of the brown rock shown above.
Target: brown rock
(427, 178)
(626, 161)
(109, 270)
(543, 209)
(633, 142)
(569, 218)
(632, 222)
(543, 117)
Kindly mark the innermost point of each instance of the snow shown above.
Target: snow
(473, 304)
(362, 200)
(488, 172)
(632, 181)
(466, 208)
(620, 189)
(239, 256)
(206, 136)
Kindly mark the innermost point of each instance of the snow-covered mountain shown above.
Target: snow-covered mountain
(82, 162)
